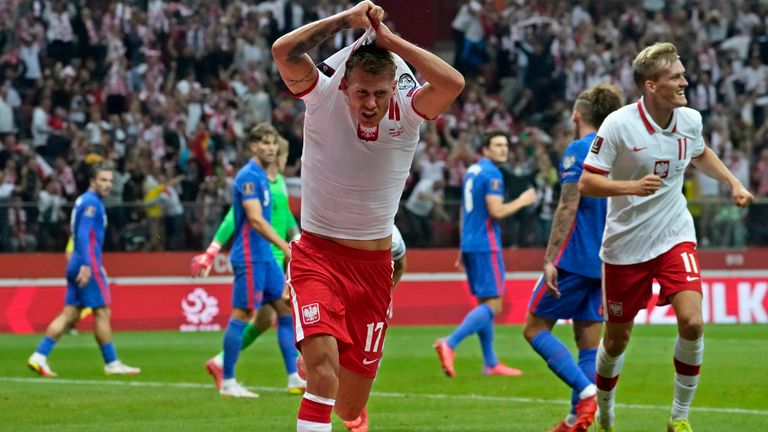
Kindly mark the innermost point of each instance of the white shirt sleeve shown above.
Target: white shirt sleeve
(605, 148)
(321, 89)
(698, 147)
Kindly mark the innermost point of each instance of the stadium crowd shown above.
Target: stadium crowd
(169, 89)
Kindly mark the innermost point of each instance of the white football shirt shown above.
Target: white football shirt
(352, 178)
(629, 146)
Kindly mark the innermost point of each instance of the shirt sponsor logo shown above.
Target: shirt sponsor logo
(310, 313)
(90, 210)
(637, 149)
(368, 362)
(615, 309)
(597, 144)
(248, 188)
(661, 168)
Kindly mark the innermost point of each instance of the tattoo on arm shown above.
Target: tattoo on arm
(563, 219)
(306, 78)
(317, 37)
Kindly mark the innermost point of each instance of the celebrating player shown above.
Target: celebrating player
(87, 284)
(482, 207)
(360, 133)
(285, 226)
(644, 149)
(570, 287)
(258, 277)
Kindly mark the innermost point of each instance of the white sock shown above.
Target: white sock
(688, 358)
(219, 359)
(570, 419)
(226, 382)
(607, 367)
(308, 426)
(588, 392)
(37, 357)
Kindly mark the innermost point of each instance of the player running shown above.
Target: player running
(258, 277)
(361, 128)
(638, 161)
(285, 226)
(481, 209)
(87, 284)
(570, 287)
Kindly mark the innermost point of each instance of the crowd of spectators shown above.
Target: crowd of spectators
(168, 89)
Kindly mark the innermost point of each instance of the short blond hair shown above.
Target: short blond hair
(282, 145)
(651, 61)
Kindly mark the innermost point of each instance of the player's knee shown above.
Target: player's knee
(322, 370)
(691, 327)
(530, 332)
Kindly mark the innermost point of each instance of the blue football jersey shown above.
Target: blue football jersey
(580, 251)
(480, 232)
(88, 223)
(250, 183)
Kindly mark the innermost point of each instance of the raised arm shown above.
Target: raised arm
(290, 51)
(444, 82)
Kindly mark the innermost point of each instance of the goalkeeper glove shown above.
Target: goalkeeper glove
(201, 264)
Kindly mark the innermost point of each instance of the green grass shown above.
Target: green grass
(411, 394)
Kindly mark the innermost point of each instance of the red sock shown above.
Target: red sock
(315, 414)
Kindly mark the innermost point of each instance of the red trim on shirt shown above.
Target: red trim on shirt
(248, 265)
(594, 170)
(307, 91)
(565, 243)
(491, 235)
(413, 98)
(95, 269)
(647, 123)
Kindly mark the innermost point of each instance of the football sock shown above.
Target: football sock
(108, 352)
(475, 320)
(250, 333)
(46, 346)
(286, 340)
(560, 360)
(486, 343)
(688, 358)
(233, 341)
(587, 365)
(314, 414)
(608, 370)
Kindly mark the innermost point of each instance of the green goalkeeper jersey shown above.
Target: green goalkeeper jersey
(282, 218)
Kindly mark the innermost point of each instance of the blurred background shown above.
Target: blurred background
(167, 89)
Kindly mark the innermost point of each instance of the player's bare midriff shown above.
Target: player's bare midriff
(370, 245)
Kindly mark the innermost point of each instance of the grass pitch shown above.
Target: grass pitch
(411, 394)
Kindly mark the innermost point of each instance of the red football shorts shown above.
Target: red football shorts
(628, 288)
(342, 292)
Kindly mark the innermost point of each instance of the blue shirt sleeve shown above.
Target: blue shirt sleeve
(494, 183)
(250, 187)
(572, 164)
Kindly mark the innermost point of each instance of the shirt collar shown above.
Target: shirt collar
(651, 125)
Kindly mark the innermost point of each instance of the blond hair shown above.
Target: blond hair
(651, 61)
(595, 103)
(258, 132)
(282, 145)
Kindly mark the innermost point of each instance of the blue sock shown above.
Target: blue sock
(46, 346)
(108, 352)
(286, 339)
(486, 343)
(233, 341)
(559, 359)
(475, 320)
(587, 365)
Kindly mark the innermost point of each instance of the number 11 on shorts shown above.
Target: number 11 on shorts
(373, 328)
(689, 261)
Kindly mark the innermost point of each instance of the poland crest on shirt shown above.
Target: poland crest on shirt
(629, 146)
(353, 177)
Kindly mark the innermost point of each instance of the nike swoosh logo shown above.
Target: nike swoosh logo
(367, 362)
(637, 149)
(689, 278)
